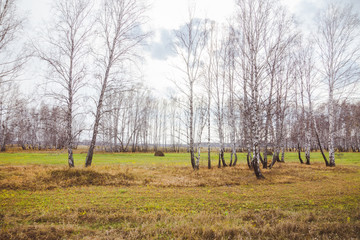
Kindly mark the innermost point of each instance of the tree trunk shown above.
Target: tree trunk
(209, 160)
(299, 153)
(265, 162)
(197, 164)
(191, 134)
(255, 132)
(90, 153)
(282, 154)
(233, 155)
(331, 130)
(209, 127)
(248, 157)
(319, 143)
(307, 147)
(275, 159)
(219, 163)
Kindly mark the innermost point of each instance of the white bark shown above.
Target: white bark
(338, 35)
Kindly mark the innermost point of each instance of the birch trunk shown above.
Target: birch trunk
(331, 128)
(191, 124)
(89, 156)
(209, 128)
(255, 132)
(69, 129)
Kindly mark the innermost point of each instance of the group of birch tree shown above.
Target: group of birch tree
(80, 45)
(259, 76)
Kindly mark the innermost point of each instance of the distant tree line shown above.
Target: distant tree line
(141, 122)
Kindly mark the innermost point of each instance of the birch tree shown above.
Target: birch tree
(339, 51)
(65, 50)
(11, 24)
(253, 20)
(278, 46)
(219, 96)
(230, 80)
(189, 46)
(119, 32)
(305, 71)
(208, 81)
(11, 64)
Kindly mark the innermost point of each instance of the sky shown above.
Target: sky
(165, 16)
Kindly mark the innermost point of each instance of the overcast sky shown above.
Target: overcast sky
(166, 16)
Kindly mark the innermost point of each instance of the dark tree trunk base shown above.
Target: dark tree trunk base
(299, 153)
(248, 161)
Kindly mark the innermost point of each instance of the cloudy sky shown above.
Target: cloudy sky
(166, 16)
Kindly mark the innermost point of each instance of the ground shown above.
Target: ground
(139, 196)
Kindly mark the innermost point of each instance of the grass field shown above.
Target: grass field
(139, 196)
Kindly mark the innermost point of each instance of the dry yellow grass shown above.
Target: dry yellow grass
(145, 202)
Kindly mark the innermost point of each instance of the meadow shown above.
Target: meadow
(140, 196)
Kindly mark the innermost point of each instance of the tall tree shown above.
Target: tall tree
(11, 64)
(305, 72)
(189, 45)
(10, 27)
(65, 50)
(253, 19)
(119, 31)
(208, 81)
(339, 50)
(230, 79)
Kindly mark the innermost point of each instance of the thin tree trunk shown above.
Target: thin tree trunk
(255, 131)
(191, 134)
(197, 164)
(90, 153)
(248, 157)
(69, 117)
(308, 143)
(319, 143)
(299, 153)
(331, 130)
(209, 126)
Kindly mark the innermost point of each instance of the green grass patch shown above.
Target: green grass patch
(171, 159)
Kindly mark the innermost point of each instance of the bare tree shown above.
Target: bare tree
(120, 34)
(230, 63)
(219, 94)
(65, 50)
(10, 26)
(208, 81)
(282, 86)
(11, 64)
(253, 19)
(305, 72)
(277, 50)
(189, 45)
(339, 50)
(200, 122)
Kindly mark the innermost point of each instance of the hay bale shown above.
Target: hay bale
(159, 154)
